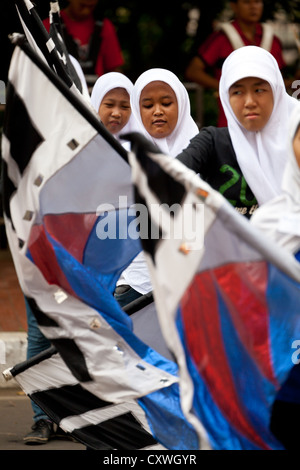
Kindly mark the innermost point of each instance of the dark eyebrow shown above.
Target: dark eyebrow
(170, 97)
(235, 85)
(261, 82)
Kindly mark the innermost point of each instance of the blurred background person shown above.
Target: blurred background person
(245, 29)
(93, 42)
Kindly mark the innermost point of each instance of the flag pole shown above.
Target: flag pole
(12, 372)
(138, 303)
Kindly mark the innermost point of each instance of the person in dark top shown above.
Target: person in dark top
(212, 155)
(245, 160)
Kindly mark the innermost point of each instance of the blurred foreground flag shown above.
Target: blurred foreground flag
(227, 301)
(66, 222)
(49, 46)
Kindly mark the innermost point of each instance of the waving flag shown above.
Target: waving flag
(63, 175)
(228, 304)
(49, 47)
(95, 422)
(71, 64)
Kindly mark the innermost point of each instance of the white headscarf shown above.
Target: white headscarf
(137, 274)
(261, 155)
(280, 218)
(106, 83)
(185, 129)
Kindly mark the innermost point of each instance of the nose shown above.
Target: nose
(250, 100)
(157, 110)
(115, 111)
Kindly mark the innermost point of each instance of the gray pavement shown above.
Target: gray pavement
(16, 422)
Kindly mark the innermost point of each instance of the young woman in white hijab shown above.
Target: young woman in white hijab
(262, 154)
(245, 161)
(111, 99)
(152, 96)
(161, 106)
(279, 219)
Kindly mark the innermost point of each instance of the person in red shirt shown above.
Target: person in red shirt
(93, 43)
(244, 30)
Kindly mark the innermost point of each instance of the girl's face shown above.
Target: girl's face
(79, 10)
(252, 102)
(296, 146)
(115, 110)
(159, 109)
(248, 11)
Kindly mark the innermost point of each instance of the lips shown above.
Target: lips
(252, 115)
(159, 122)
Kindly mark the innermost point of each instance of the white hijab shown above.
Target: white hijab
(137, 274)
(106, 83)
(261, 155)
(185, 129)
(280, 218)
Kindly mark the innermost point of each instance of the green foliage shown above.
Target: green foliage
(153, 33)
(290, 6)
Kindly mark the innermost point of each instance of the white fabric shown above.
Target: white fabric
(280, 218)
(236, 40)
(261, 155)
(268, 35)
(77, 66)
(103, 85)
(185, 129)
(137, 274)
(233, 35)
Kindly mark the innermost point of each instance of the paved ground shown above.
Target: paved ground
(16, 421)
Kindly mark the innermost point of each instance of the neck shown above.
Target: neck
(248, 29)
(69, 13)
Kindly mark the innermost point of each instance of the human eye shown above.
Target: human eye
(167, 102)
(262, 87)
(147, 106)
(261, 90)
(235, 92)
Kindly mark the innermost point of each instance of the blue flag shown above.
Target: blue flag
(68, 208)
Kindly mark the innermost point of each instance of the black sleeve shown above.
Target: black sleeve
(197, 155)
